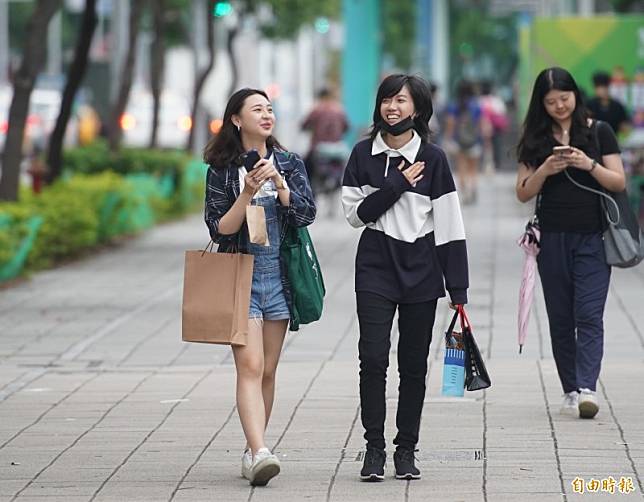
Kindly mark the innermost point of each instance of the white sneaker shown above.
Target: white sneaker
(247, 461)
(588, 406)
(570, 405)
(265, 466)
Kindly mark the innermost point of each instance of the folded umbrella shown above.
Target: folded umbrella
(529, 242)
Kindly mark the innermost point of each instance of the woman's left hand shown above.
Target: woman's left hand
(579, 159)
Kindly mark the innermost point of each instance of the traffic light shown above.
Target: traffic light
(223, 9)
(322, 25)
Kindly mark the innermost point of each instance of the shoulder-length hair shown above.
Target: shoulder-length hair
(536, 140)
(226, 146)
(420, 94)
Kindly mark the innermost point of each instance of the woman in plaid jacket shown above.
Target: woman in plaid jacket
(278, 183)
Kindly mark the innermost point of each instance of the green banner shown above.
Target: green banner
(614, 44)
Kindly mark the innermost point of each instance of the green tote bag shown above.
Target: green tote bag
(305, 276)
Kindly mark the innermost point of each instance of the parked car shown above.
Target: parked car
(174, 120)
(44, 107)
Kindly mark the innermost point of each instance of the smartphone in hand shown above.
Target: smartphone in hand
(251, 157)
(562, 151)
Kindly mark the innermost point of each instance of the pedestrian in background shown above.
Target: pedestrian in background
(278, 183)
(496, 114)
(328, 153)
(465, 131)
(399, 186)
(606, 108)
(558, 136)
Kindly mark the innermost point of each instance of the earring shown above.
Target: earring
(238, 128)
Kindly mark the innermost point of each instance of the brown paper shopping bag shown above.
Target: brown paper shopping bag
(216, 297)
(256, 222)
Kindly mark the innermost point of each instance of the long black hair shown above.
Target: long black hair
(536, 140)
(420, 94)
(226, 146)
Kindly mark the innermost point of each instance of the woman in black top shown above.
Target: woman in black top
(573, 270)
(399, 186)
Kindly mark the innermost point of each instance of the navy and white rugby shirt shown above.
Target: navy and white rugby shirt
(413, 246)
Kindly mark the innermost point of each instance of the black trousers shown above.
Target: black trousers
(415, 323)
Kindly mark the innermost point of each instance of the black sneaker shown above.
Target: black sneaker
(404, 463)
(373, 468)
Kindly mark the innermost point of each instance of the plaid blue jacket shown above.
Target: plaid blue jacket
(222, 190)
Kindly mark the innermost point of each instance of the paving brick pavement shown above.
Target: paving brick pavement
(100, 400)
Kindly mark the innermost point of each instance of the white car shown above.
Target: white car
(44, 107)
(174, 120)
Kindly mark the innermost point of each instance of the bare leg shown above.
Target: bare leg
(274, 332)
(463, 176)
(249, 363)
(472, 168)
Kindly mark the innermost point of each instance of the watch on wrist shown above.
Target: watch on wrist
(593, 164)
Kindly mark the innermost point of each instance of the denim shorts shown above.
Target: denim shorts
(267, 300)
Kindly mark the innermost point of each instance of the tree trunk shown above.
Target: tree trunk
(34, 53)
(200, 80)
(157, 63)
(127, 75)
(230, 47)
(74, 78)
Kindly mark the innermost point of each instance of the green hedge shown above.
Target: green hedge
(179, 178)
(93, 204)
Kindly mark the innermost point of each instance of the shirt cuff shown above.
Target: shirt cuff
(397, 181)
(458, 296)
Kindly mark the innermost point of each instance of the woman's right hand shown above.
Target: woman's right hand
(251, 184)
(413, 172)
(554, 165)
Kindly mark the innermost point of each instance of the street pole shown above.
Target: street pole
(586, 8)
(439, 47)
(423, 53)
(360, 62)
(4, 42)
(119, 33)
(54, 46)
(198, 41)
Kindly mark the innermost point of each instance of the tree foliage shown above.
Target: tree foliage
(399, 32)
(288, 16)
(476, 36)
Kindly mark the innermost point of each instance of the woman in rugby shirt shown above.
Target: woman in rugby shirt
(399, 186)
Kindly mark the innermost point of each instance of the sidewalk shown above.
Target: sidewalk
(100, 399)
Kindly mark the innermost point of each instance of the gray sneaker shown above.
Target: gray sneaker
(265, 467)
(247, 461)
(588, 406)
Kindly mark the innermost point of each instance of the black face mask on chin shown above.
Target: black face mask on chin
(398, 128)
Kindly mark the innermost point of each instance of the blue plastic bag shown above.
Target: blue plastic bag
(454, 362)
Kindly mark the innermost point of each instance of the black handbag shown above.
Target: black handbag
(476, 375)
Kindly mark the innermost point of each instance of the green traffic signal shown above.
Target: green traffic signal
(223, 9)
(322, 25)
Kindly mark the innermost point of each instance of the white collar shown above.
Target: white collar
(408, 150)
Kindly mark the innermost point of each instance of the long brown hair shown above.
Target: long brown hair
(226, 146)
